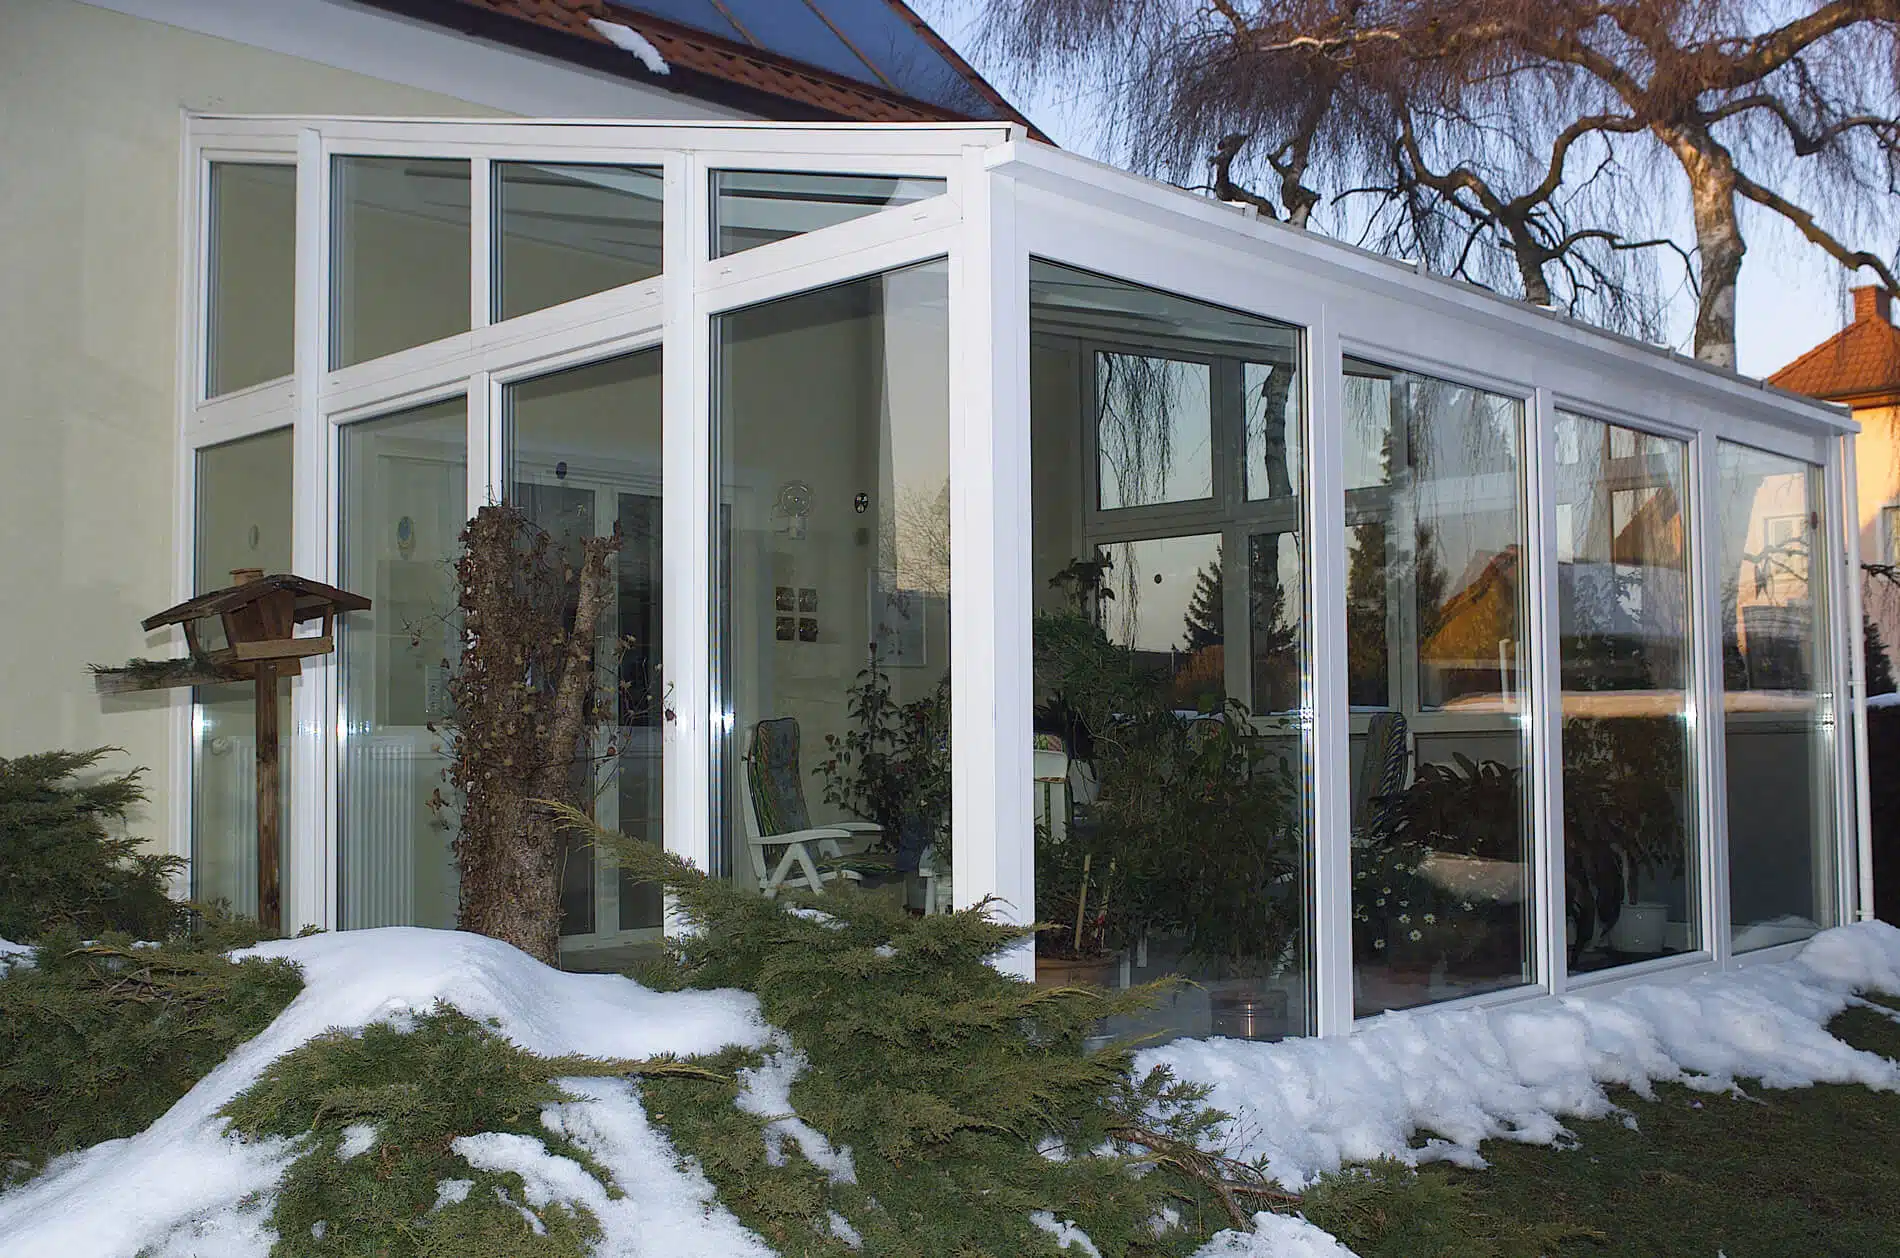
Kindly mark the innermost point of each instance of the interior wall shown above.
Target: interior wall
(94, 106)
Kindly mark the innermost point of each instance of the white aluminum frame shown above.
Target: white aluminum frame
(1007, 200)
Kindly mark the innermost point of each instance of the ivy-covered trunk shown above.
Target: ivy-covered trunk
(523, 707)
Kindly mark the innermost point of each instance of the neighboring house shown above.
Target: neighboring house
(1859, 367)
(94, 98)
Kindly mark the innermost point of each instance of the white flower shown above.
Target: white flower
(1378, 945)
(1431, 919)
(1415, 936)
(1405, 919)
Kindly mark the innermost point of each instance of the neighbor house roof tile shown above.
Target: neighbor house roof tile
(1859, 365)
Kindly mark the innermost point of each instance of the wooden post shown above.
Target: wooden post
(269, 887)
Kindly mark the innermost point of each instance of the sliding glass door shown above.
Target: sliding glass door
(584, 461)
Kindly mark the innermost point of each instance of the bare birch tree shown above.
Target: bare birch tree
(1512, 142)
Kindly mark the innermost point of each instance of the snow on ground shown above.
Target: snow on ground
(12, 954)
(178, 1186)
(1884, 701)
(1275, 1236)
(184, 1189)
(1459, 1077)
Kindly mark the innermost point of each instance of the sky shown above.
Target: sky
(1791, 298)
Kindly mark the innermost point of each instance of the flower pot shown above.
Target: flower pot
(1077, 971)
(1249, 1013)
(1640, 929)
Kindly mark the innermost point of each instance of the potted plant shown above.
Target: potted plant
(892, 767)
(1193, 828)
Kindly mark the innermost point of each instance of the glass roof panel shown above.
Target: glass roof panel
(790, 29)
(880, 35)
(701, 15)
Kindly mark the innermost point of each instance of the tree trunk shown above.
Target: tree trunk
(523, 707)
(1719, 243)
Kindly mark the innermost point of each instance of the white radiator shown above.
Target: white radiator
(380, 816)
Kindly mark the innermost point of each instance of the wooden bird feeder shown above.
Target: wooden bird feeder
(246, 632)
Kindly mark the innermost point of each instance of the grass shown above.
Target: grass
(1810, 1172)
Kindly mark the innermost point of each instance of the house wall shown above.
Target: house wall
(1877, 461)
(94, 103)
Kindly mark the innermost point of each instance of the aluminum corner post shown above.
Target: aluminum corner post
(1544, 718)
(310, 863)
(1328, 685)
(992, 674)
(691, 724)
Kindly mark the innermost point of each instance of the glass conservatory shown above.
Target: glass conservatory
(1333, 636)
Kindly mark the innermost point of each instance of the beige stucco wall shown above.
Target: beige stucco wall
(91, 115)
(1877, 462)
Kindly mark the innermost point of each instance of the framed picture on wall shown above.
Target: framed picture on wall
(897, 622)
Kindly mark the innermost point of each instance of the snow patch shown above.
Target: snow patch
(1067, 1234)
(767, 1092)
(358, 1139)
(451, 1192)
(1309, 1106)
(1275, 1236)
(1890, 700)
(842, 1229)
(12, 954)
(630, 40)
(179, 1186)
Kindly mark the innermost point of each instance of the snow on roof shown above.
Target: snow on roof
(625, 37)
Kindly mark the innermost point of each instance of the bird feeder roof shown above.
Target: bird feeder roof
(314, 598)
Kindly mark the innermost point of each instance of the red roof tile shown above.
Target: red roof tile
(817, 92)
(1859, 365)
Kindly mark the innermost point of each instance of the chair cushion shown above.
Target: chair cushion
(778, 789)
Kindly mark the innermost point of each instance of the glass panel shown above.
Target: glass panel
(756, 207)
(1163, 603)
(1369, 608)
(834, 439)
(1271, 409)
(1442, 890)
(585, 461)
(567, 231)
(1153, 430)
(1170, 801)
(1777, 700)
(400, 271)
(404, 502)
(1276, 573)
(1624, 644)
(243, 521)
(251, 288)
